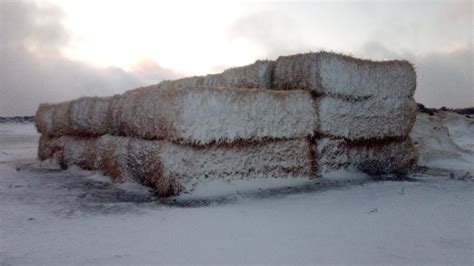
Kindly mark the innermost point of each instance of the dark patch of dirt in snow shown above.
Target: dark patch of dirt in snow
(68, 193)
(76, 192)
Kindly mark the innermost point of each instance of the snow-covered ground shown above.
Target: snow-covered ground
(51, 216)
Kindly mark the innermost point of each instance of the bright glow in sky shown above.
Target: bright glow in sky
(62, 49)
(190, 37)
(197, 37)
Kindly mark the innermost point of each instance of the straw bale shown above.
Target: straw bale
(171, 168)
(344, 76)
(366, 119)
(373, 157)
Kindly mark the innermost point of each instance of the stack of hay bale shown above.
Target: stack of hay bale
(298, 116)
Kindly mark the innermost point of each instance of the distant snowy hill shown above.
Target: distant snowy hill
(17, 119)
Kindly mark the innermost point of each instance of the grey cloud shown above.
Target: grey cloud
(275, 32)
(446, 79)
(443, 78)
(32, 69)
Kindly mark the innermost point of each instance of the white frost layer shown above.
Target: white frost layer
(172, 169)
(366, 119)
(335, 74)
(371, 157)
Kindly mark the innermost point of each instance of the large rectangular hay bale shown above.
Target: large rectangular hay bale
(52, 119)
(196, 81)
(373, 157)
(85, 116)
(254, 76)
(188, 115)
(172, 169)
(89, 116)
(44, 118)
(205, 115)
(344, 76)
(366, 119)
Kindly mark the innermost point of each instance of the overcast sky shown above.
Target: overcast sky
(57, 50)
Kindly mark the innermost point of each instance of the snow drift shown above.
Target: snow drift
(446, 137)
(300, 115)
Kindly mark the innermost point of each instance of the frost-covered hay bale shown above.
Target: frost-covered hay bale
(373, 157)
(123, 112)
(47, 147)
(191, 165)
(61, 119)
(78, 151)
(51, 148)
(112, 156)
(344, 76)
(205, 115)
(144, 161)
(52, 119)
(107, 153)
(89, 116)
(44, 119)
(366, 119)
(196, 81)
(188, 115)
(256, 75)
(172, 168)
